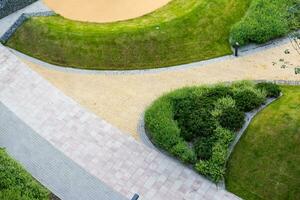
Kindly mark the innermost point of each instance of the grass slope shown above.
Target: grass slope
(183, 31)
(16, 183)
(266, 164)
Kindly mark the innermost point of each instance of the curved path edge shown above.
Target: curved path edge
(249, 116)
(244, 51)
(116, 159)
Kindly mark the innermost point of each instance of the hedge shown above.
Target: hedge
(197, 124)
(16, 183)
(9, 6)
(266, 20)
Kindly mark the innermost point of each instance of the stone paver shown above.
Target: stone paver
(116, 159)
(49, 166)
(8, 21)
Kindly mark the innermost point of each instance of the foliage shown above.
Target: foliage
(215, 166)
(193, 116)
(196, 124)
(248, 98)
(265, 20)
(203, 147)
(227, 114)
(272, 90)
(183, 152)
(16, 183)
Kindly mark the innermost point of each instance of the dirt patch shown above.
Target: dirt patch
(104, 10)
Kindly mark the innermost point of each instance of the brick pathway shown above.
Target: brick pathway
(52, 168)
(116, 159)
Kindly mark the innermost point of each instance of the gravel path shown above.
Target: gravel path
(121, 98)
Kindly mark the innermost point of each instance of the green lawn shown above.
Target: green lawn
(183, 31)
(266, 162)
(16, 183)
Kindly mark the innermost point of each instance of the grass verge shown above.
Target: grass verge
(265, 163)
(16, 183)
(183, 31)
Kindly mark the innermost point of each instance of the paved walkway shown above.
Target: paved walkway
(116, 159)
(8, 21)
(54, 170)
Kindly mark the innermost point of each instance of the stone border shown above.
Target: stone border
(10, 6)
(5, 37)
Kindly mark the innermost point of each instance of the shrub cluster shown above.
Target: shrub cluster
(272, 90)
(265, 20)
(9, 6)
(16, 183)
(197, 124)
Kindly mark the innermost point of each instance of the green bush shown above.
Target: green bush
(16, 183)
(194, 117)
(248, 98)
(272, 90)
(265, 20)
(196, 124)
(182, 151)
(203, 147)
(215, 166)
(228, 115)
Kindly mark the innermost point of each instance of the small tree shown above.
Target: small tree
(294, 19)
(295, 41)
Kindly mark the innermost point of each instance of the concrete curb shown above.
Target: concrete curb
(4, 38)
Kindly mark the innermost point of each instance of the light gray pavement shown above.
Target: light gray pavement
(8, 21)
(48, 165)
(116, 159)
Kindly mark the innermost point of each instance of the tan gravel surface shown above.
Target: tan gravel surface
(121, 99)
(104, 10)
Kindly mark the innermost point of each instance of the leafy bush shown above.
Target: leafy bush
(228, 115)
(183, 152)
(248, 98)
(203, 147)
(193, 116)
(164, 131)
(272, 90)
(265, 20)
(215, 167)
(196, 124)
(16, 183)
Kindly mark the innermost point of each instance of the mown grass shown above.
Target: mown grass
(183, 31)
(266, 163)
(16, 183)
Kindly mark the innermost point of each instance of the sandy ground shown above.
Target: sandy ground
(104, 10)
(121, 99)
